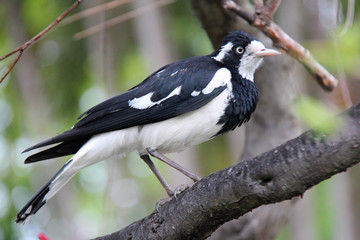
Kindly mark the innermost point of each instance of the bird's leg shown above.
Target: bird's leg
(161, 179)
(155, 153)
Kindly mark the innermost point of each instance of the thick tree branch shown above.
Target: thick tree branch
(20, 50)
(262, 19)
(279, 174)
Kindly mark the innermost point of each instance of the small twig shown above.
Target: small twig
(12, 65)
(23, 47)
(250, 18)
(270, 7)
(263, 21)
(258, 3)
(121, 18)
(97, 9)
(349, 17)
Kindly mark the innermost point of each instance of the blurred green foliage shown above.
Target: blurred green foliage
(316, 115)
(339, 49)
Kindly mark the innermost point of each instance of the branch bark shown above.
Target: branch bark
(279, 174)
(262, 20)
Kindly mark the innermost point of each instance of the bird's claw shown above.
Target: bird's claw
(175, 194)
(182, 188)
(162, 202)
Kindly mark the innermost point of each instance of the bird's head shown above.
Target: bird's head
(243, 53)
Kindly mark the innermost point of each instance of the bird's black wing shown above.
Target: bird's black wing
(192, 74)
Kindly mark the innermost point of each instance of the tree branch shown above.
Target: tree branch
(279, 174)
(262, 19)
(23, 47)
(121, 18)
(270, 8)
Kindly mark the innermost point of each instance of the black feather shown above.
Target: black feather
(63, 149)
(241, 106)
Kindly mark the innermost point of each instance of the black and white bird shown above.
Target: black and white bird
(180, 105)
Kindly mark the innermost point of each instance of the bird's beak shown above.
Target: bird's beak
(267, 52)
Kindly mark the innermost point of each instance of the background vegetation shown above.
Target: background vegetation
(61, 76)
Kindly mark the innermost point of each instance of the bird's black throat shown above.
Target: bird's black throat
(240, 106)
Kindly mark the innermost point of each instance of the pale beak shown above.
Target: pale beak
(267, 52)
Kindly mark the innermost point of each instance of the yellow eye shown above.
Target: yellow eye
(239, 50)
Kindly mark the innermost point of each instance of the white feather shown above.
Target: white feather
(173, 74)
(145, 101)
(99, 147)
(142, 102)
(223, 52)
(221, 78)
(195, 93)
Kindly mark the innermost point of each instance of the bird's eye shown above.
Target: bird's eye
(239, 50)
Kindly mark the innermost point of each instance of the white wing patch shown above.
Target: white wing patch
(142, 102)
(222, 77)
(145, 101)
(173, 74)
(223, 52)
(195, 93)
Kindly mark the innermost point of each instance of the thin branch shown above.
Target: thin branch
(258, 4)
(270, 7)
(121, 18)
(95, 10)
(23, 47)
(12, 65)
(349, 17)
(283, 41)
(279, 174)
(250, 18)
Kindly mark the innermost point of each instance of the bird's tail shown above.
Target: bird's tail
(47, 192)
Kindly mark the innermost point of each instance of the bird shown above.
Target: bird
(182, 104)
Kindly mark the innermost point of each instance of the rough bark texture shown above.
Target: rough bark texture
(279, 174)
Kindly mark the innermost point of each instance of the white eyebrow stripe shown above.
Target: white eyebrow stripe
(223, 52)
(145, 101)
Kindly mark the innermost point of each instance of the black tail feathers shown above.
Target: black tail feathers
(40, 198)
(63, 149)
(33, 205)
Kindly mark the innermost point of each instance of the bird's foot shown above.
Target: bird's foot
(182, 188)
(175, 194)
(162, 202)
